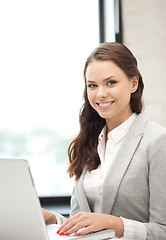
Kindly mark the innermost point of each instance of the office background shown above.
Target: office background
(43, 46)
(144, 32)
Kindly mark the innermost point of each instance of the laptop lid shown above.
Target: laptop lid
(20, 211)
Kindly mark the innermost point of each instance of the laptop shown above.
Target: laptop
(20, 210)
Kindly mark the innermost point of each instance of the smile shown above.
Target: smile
(105, 105)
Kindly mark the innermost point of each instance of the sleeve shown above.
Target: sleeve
(74, 204)
(155, 228)
(60, 219)
(134, 230)
(74, 209)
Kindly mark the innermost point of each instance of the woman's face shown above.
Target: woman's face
(109, 91)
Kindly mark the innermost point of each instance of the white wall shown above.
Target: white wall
(144, 32)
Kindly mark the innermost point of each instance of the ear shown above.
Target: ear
(134, 82)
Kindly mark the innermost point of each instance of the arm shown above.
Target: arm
(75, 208)
(53, 218)
(155, 228)
(49, 217)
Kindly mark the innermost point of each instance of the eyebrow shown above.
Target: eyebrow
(106, 79)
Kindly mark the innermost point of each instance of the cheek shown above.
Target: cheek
(122, 93)
(90, 96)
(115, 93)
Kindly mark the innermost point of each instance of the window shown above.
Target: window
(43, 48)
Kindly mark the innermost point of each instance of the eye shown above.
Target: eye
(111, 83)
(92, 85)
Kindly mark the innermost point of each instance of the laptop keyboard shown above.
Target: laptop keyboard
(105, 234)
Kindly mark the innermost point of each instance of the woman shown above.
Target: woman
(119, 157)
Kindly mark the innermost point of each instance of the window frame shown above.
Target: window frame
(118, 21)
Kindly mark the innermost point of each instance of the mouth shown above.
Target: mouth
(104, 105)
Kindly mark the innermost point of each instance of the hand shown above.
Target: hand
(49, 217)
(91, 222)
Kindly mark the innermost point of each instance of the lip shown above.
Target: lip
(104, 105)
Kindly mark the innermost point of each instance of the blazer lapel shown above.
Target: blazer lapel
(121, 163)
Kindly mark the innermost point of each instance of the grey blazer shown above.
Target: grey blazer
(135, 185)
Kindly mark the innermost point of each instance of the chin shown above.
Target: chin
(105, 116)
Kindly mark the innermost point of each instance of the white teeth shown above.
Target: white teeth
(104, 104)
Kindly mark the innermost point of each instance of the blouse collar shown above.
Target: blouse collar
(119, 132)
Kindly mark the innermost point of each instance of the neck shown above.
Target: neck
(115, 122)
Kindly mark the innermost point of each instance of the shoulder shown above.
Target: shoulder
(155, 132)
(153, 135)
(153, 142)
(148, 128)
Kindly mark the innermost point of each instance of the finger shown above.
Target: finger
(78, 227)
(71, 219)
(73, 226)
(84, 231)
(63, 225)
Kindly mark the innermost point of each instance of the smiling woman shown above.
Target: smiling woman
(118, 158)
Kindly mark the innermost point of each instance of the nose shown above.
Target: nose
(102, 92)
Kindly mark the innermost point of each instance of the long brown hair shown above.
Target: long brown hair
(83, 149)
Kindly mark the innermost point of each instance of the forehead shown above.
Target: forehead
(102, 69)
